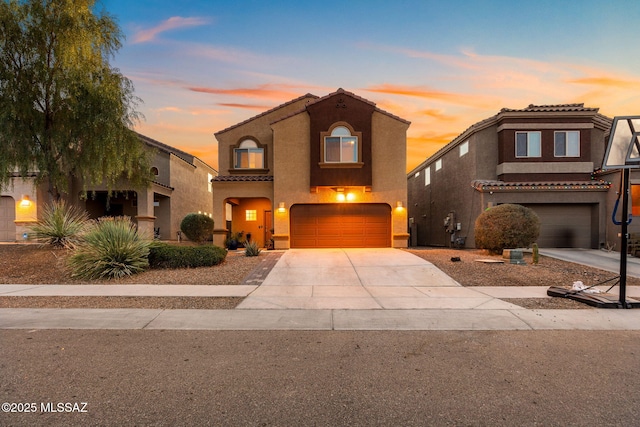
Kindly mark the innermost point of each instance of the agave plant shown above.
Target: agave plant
(62, 225)
(251, 249)
(111, 249)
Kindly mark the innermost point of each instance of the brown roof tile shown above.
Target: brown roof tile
(242, 178)
(552, 108)
(494, 185)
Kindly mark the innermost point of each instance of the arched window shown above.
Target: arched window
(248, 155)
(154, 171)
(341, 146)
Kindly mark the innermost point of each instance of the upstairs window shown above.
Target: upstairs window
(528, 144)
(248, 155)
(438, 164)
(566, 144)
(427, 176)
(464, 148)
(341, 146)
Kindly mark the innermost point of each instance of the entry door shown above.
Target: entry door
(268, 225)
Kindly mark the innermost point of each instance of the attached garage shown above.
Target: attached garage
(341, 226)
(7, 218)
(566, 225)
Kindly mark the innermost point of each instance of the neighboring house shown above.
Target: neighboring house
(314, 173)
(543, 157)
(182, 185)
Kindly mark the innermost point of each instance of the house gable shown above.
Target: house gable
(340, 109)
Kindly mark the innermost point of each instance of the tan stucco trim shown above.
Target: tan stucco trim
(544, 167)
(537, 126)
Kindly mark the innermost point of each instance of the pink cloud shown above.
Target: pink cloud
(245, 106)
(266, 91)
(172, 23)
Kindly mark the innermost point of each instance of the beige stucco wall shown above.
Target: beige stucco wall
(292, 180)
(25, 215)
(190, 193)
(258, 128)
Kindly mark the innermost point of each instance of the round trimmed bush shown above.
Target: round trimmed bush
(197, 227)
(506, 226)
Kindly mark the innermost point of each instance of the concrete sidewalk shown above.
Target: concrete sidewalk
(382, 289)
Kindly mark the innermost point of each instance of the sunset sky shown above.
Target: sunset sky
(202, 65)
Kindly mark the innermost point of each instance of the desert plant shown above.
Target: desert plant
(110, 249)
(536, 253)
(61, 225)
(251, 249)
(197, 227)
(506, 226)
(163, 255)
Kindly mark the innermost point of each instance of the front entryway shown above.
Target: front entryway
(361, 225)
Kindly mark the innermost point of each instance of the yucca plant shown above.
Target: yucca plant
(61, 226)
(251, 249)
(111, 249)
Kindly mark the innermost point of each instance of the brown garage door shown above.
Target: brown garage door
(565, 225)
(341, 226)
(7, 217)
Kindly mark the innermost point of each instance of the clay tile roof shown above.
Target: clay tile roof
(167, 148)
(552, 108)
(350, 94)
(494, 185)
(242, 178)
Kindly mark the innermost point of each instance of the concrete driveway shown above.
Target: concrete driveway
(361, 279)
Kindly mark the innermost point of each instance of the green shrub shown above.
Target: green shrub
(61, 226)
(197, 227)
(110, 249)
(506, 226)
(163, 255)
(251, 249)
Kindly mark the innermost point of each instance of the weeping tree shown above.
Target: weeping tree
(64, 111)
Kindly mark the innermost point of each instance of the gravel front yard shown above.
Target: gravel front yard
(33, 264)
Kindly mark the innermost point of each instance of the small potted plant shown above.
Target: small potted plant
(233, 241)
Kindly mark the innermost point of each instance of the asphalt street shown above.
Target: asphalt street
(323, 378)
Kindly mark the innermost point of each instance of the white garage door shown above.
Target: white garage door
(7, 218)
(565, 225)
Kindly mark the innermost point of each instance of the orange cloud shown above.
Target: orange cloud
(267, 91)
(431, 94)
(606, 82)
(246, 106)
(172, 23)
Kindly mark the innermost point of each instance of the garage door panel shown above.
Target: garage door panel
(7, 218)
(564, 225)
(350, 226)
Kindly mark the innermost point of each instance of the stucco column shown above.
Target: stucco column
(145, 217)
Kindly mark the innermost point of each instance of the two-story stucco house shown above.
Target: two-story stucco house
(315, 172)
(542, 156)
(182, 185)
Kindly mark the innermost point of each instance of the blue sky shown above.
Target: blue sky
(201, 66)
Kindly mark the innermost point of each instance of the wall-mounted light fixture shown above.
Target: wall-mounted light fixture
(399, 204)
(26, 201)
(351, 197)
(341, 197)
(281, 207)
